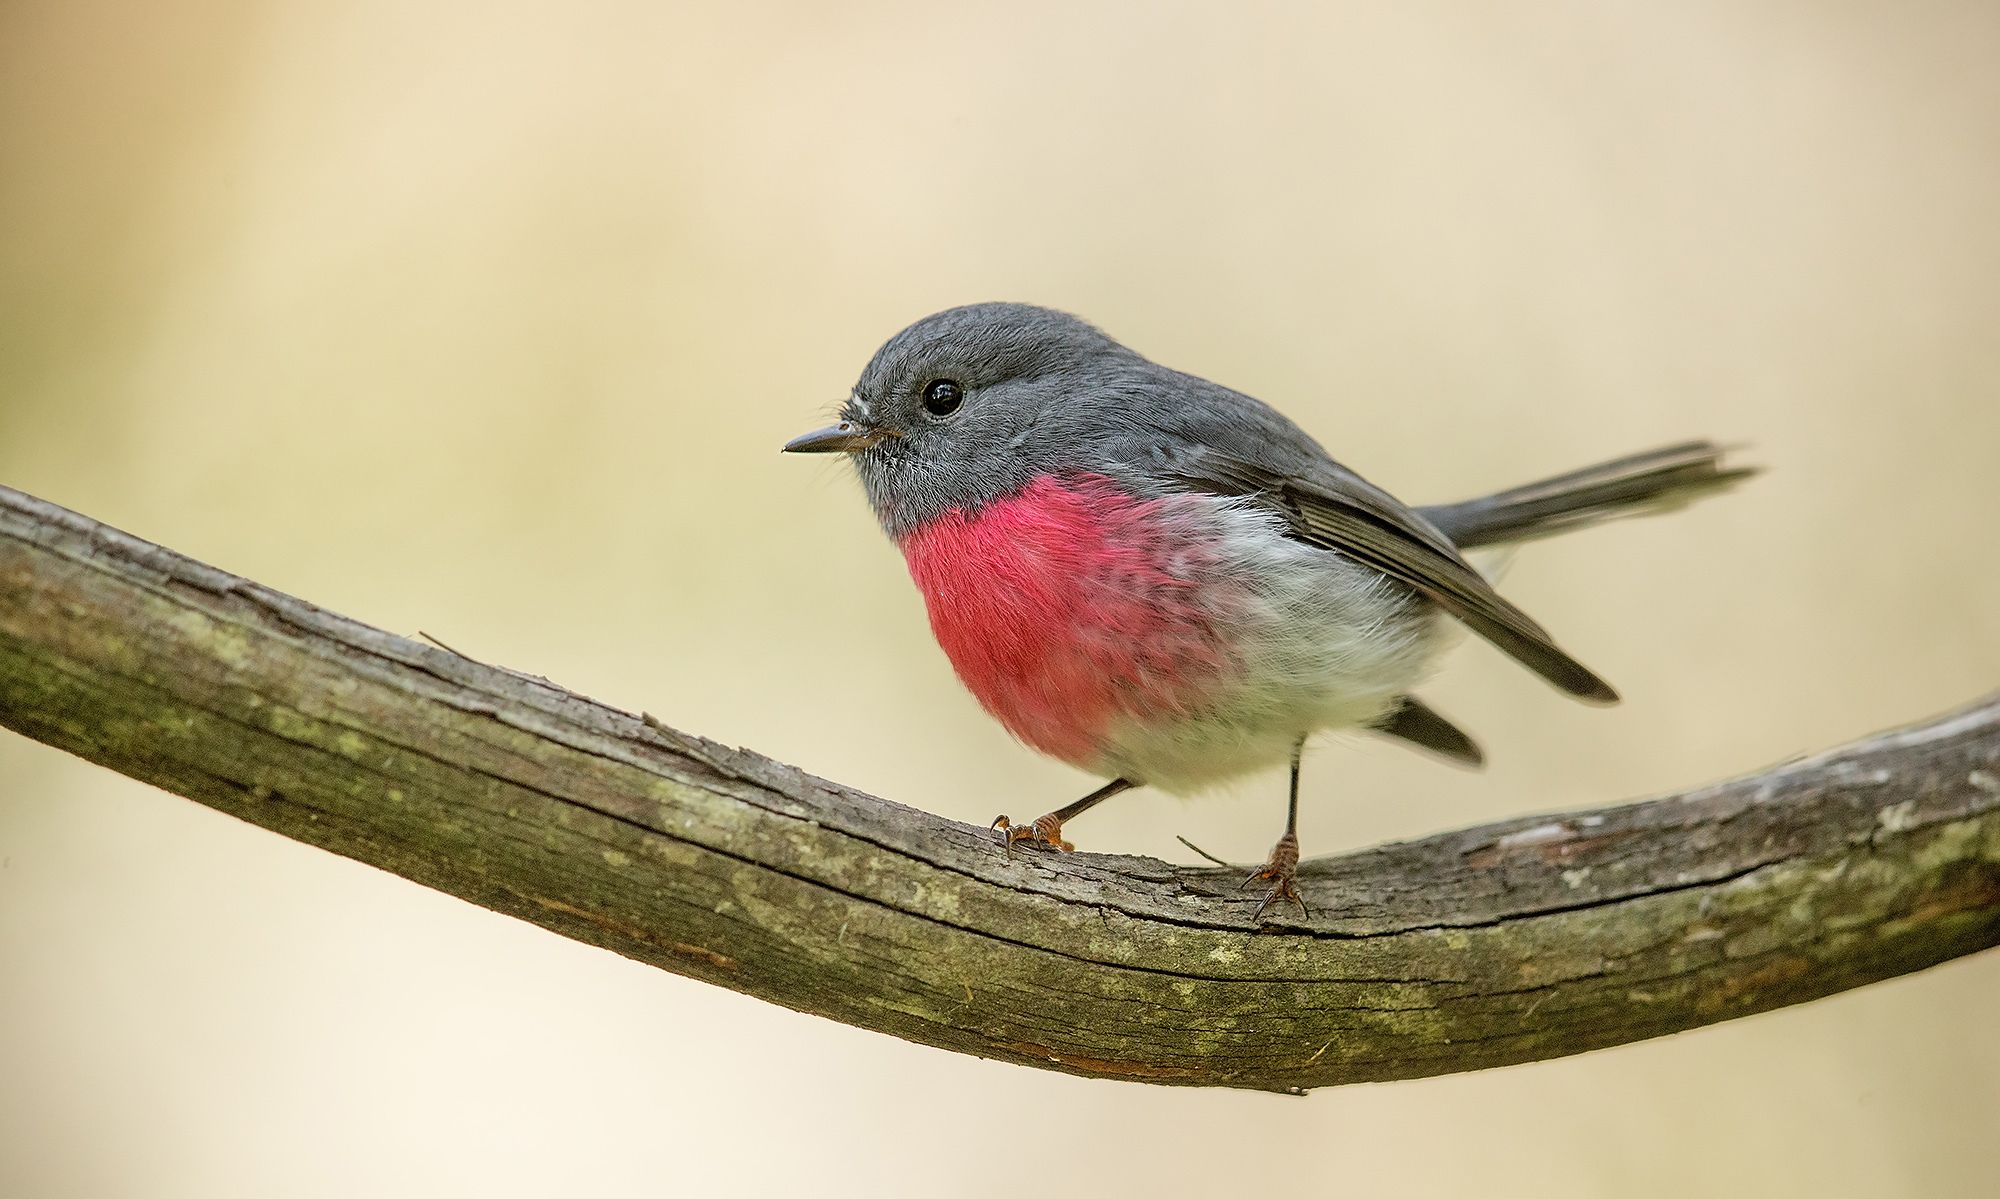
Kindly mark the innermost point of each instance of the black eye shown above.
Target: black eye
(942, 397)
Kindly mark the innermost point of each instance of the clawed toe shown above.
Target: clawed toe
(1046, 830)
(1281, 888)
(1282, 872)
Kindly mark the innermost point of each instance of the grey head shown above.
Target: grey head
(974, 403)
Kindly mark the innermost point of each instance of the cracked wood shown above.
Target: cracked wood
(1523, 940)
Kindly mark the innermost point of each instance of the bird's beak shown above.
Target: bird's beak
(843, 438)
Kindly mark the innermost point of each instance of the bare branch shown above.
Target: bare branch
(1518, 941)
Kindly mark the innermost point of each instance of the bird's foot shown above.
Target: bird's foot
(1047, 830)
(1282, 872)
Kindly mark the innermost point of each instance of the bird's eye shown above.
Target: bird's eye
(942, 397)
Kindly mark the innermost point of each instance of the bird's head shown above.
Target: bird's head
(972, 404)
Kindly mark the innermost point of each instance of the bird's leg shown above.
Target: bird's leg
(1282, 871)
(1048, 829)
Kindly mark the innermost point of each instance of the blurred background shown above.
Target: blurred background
(488, 320)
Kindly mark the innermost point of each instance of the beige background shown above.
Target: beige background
(488, 321)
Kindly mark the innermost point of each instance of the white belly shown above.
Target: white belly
(1321, 643)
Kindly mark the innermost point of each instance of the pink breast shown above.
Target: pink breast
(1072, 604)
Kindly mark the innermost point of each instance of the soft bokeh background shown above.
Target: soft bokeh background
(488, 319)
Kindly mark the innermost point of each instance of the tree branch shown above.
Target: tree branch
(1518, 941)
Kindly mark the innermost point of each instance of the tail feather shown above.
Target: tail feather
(1413, 721)
(1640, 485)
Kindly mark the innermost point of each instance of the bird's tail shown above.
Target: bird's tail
(1658, 481)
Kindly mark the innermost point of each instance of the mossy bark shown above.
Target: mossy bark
(1524, 940)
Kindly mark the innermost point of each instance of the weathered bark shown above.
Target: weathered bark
(1522, 940)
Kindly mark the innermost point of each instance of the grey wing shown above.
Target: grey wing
(1228, 443)
(1347, 514)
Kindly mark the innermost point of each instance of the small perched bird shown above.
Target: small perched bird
(1164, 582)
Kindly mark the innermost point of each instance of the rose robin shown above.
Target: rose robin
(1165, 582)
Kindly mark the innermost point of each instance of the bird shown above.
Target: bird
(1167, 583)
